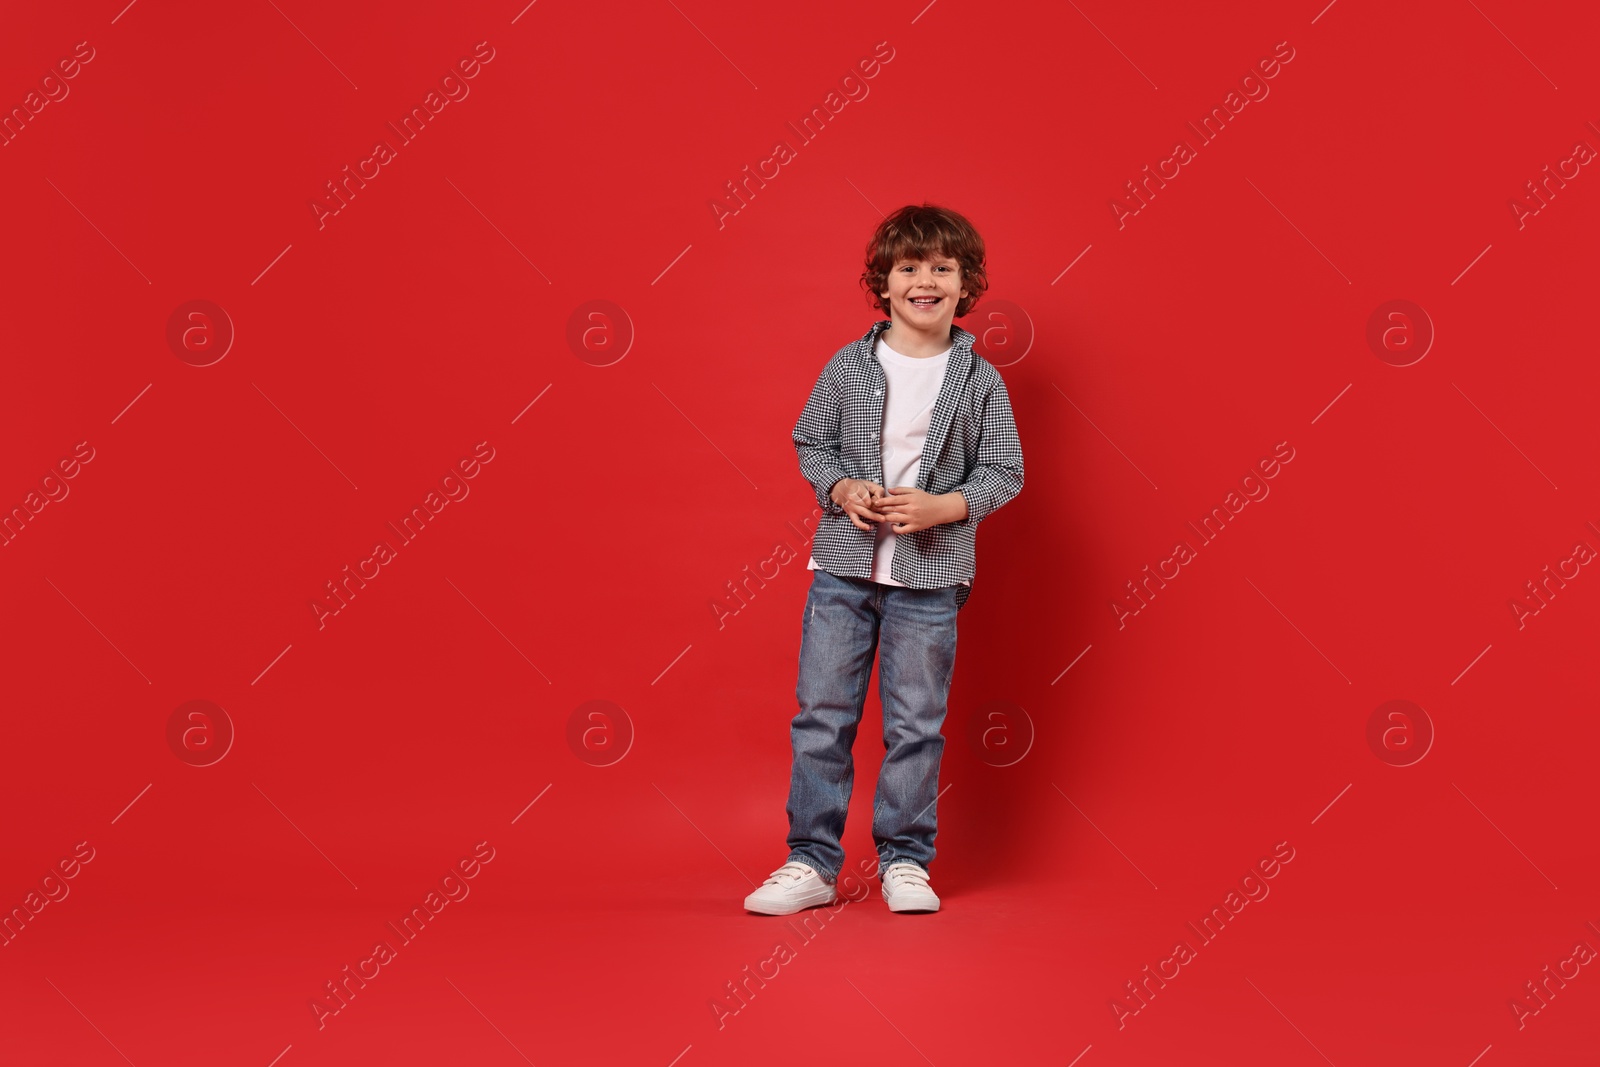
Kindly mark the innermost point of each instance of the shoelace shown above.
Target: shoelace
(902, 875)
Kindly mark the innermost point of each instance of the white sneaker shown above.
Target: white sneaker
(905, 888)
(791, 888)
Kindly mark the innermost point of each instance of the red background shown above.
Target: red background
(376, 350)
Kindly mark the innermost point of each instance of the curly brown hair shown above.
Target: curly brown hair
(921, 232)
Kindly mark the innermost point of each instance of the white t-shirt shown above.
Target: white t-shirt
(913, 388)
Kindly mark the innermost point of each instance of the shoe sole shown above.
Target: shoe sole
(911, 906)
(792, 906)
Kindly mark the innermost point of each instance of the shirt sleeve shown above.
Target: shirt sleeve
(996, 478)
(817, 439)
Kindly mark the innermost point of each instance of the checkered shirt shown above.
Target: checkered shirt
(972, 442)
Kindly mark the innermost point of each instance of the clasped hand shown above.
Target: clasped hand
(905, 508)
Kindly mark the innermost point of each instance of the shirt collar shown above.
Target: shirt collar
(959, 338)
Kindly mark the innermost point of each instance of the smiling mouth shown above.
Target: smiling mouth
(925, 302)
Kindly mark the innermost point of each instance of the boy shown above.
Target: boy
(911, 407)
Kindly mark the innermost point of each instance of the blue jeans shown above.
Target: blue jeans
(914, 633)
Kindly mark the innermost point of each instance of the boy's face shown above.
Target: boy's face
(923, 293)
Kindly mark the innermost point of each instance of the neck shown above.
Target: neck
(920, 343)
